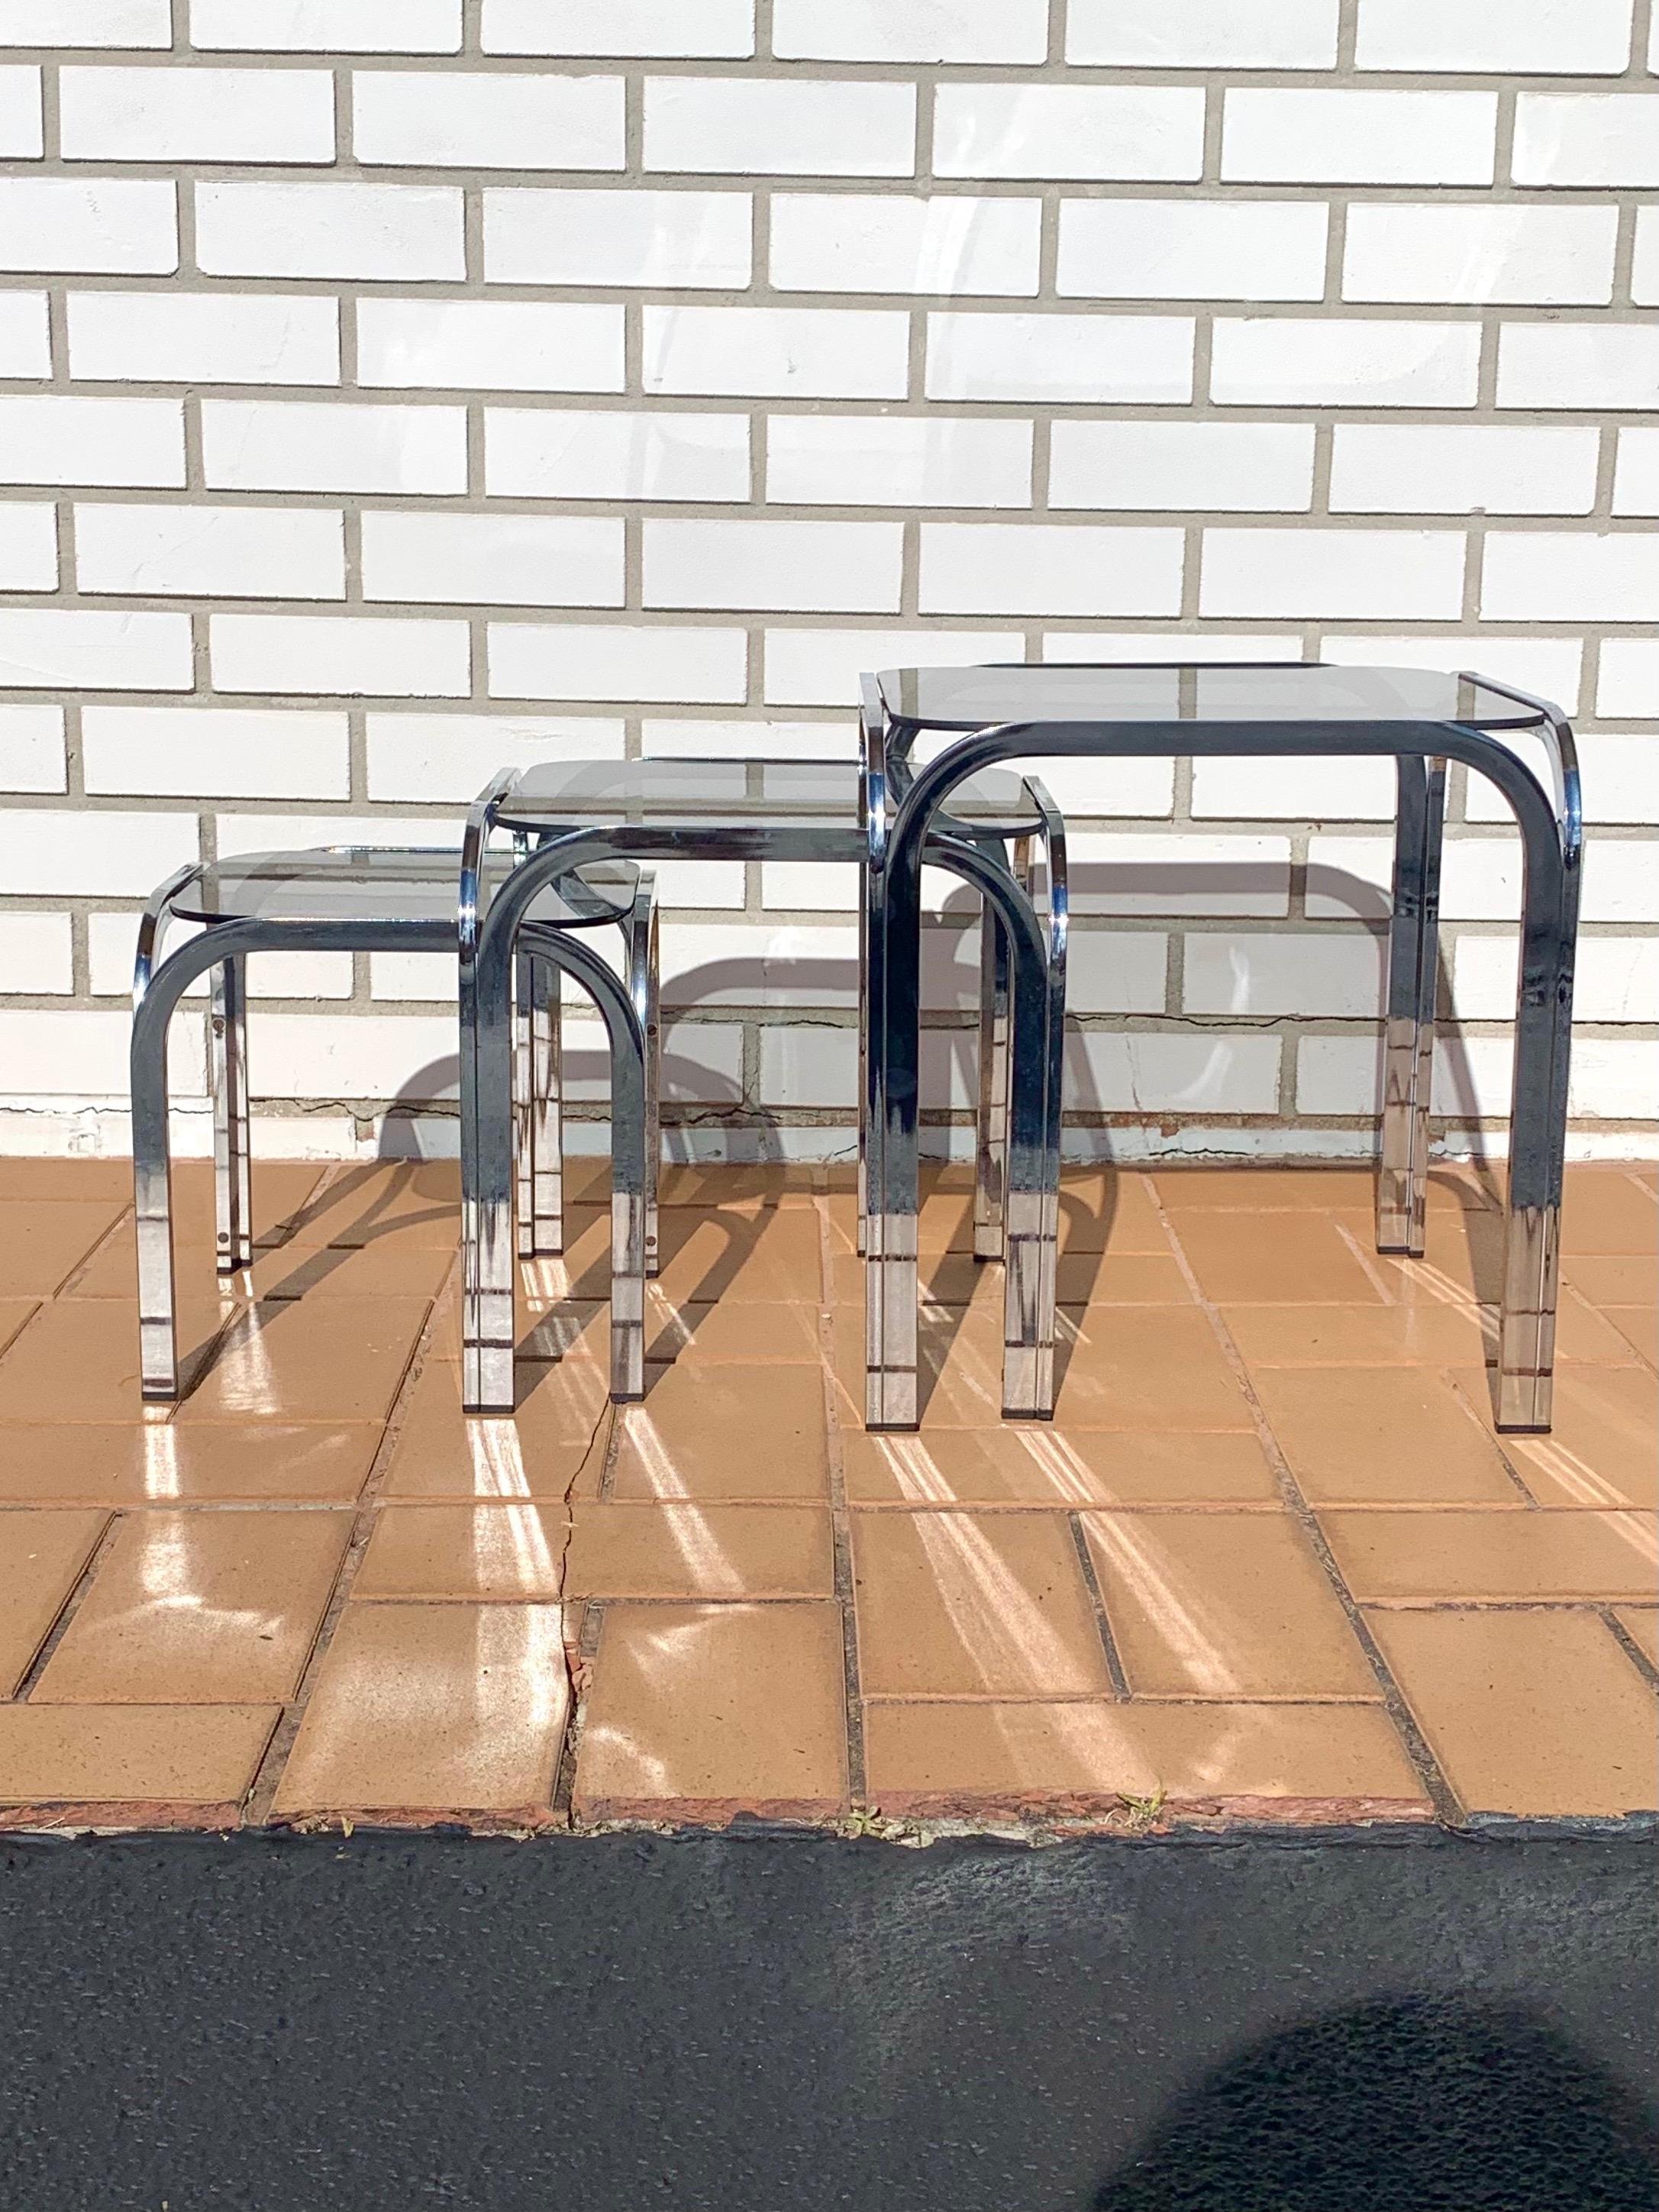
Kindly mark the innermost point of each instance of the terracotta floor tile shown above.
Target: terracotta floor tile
(1603, 1446)
(15, 1314)
(319, 1359)
(1582, 1335)
(1224, 1605)
(535, 1452)
(416, 1204)
(1273, 1259)
(1031, 1463)
(704, 1335)
(1604, 1209)
(41, 1558)
(974, 1605)
(158, 1463)
(709, 1255)
(1642, 1623)
(733, 1432)
(22, 1177)
(433, 1709)
(715, 1710)
(476, 1552)
(1464, 1259)
(945, 1222)
(1106, 1279)
(160, 1756)
(390, 1268)
(700, 1552)
(983, 1757)
(77, 1360)
(199, 1609)
(1110, 1211)
(684, 1183)
(1613, 1279)
(1526, 1713)
(1366, 1436)
(570, 1329)
(1428, 1332)
(1291, 1189)
(1639, 1327)
(1401, 1557)
(46, 1240)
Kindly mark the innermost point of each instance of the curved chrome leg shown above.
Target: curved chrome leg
(644, 967)
(152, 1175)
(1413, 974)
(232, 1162)
(991, 1130)
(538, 1135)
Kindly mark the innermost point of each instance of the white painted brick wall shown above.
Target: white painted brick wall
(392, 390)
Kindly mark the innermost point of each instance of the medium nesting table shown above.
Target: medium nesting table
(974, 719)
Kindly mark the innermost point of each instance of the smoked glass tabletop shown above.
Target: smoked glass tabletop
(979, 698)
(342, 884)
(683, 793)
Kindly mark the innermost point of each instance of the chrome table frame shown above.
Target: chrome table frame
(548, 949)
(1551, 826)
(1032, 980)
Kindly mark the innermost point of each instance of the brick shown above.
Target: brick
(546, 453)
(25, 335)
(1156, 1074)
(28, 546)
(345, 654)
(1569, 576)
(87, 23)
(1635, 475)
(20, 127)
(1346, 138)
(673, 737)
(1100, 788)
(92, 852)
(1586, 138)
(1308, 789)
(870, 242)
(713, 29)
(1549, 665)
(1415, 575)
(1578, 365)
(1068, 131)
(1553, 256)
(694, 240)
(507, 560)
(821, 667)
(441, 119)
(222, 552)
(1171, 34)
(1645, 267)
(503, 345)
(31, 749)
(1301, 973)
(1133, 872)
(85, 649)
(1578, 38)
(1293, 361)
(789, 128)
(84, 1055)
(196, 115)
(450, 757)
(102, 225)
(1027, 568)
(222, 752)
(219, 337)
(1621, 781)
(1182, 249)
(1100, 359)
(837, 567)
(543, 660)
(897, 461)
(792, 353)
(353, 26)
(1629, 680)
(1199, 645)
(37, 954)
(329, 230)
(275, 445)
(911, 31)
(1165, 467)
(47, 437)
(1378, 468)
(1616, 979)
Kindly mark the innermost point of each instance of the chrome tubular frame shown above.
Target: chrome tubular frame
(1551, 834)
(1408, 1034)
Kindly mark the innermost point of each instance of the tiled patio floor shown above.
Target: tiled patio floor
(1271, 1560)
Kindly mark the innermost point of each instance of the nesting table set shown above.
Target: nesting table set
(933, 785)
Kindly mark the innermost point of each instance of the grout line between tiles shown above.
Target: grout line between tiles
(1437, 1786)
(1628, 1645)
(841, 1526)
(1097, 1603)
(580, 1672)
(76, 1599)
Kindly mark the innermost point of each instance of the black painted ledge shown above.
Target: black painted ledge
(1388, 2019)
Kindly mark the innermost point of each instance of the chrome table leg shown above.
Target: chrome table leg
(1413, 973)
(231, 1166)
